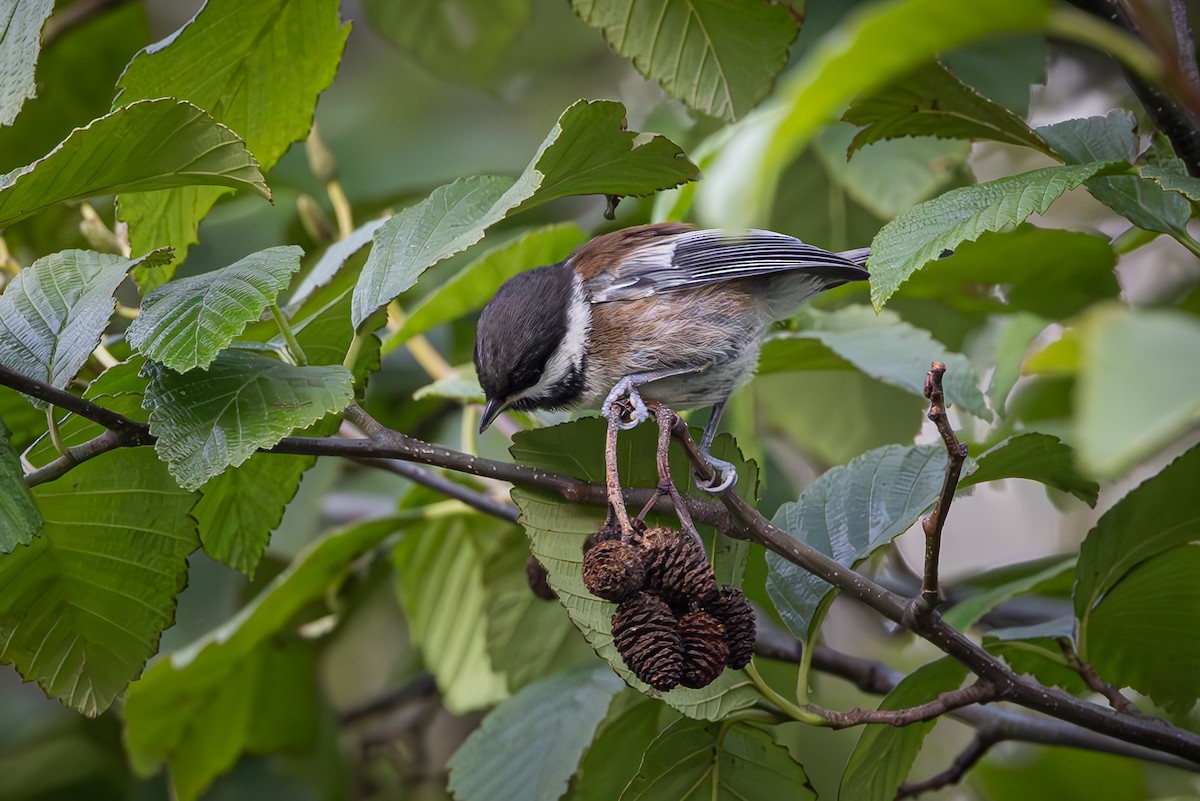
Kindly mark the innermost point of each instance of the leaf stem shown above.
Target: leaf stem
(341, 208)
(55, 435)
(1186, 239)
(806, 659)
(790, 709)
(289, 336)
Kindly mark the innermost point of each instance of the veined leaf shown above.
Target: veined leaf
(529, 746)
(848, 513)
(1016, 335)
(718, 57)
(1157, 516)
(258, 68)
(557, 529)
(152, 144)
(930, 101)
(587, 152)
(332, 260)
(885, 754)
(207, 421)
(20, 39)
(20, 520)
(696, 761)
(1037, 457)
(966, 613)
(244, 686)
(185, 324)
(53, 313)
(920, 235)
(85, 603)
(476, 283)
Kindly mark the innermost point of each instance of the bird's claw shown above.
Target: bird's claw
(626, 392)
(724, 475)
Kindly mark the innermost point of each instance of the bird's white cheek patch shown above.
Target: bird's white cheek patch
(570, 351)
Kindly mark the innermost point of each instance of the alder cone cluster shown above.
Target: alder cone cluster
(673, 625)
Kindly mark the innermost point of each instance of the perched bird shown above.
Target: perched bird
(659, 311)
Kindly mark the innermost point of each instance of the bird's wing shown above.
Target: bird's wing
(696, 258)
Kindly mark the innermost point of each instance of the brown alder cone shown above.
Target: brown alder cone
(677, 569)
(647, 637)
(705, 649)
(613, 570)
(535, 574)
(735, 613)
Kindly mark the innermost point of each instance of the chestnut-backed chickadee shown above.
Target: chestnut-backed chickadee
(662, 311)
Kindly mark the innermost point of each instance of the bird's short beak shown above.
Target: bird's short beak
(490, 412)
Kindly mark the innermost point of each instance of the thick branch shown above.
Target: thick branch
(956, 454)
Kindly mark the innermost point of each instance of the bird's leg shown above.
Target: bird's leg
(627, 388)
(724, 473)
(616, 499)
(666, 421)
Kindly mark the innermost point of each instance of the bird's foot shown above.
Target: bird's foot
(626, 391)
(724, 475)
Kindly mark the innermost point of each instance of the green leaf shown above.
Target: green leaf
(1001, 67)
(186, 323)
(717, 57)
(1113, 138)
(557, 529)
(930, 101)
(920, 235)
(20, 520)
(462, 40)
(1036, 650)
(529, 746)
(258, 68)
(873, 44)
(1157, 516)
(206, 704)
(1049, 272)
(53, 313)
(20, 40)
(472, 287)
(153, 144)
(1133, 397)
(84, 604)
(207, 421)
(439, 570)
(890, 177)
(1037, 457)
(848, 513)
(1064, 774)
(1172, 181)
(884, 754)
(616, 753)
(967, 613)
(1016, 335)
(331, 261)
(696, 761)
(881, 346)
(587, 152)
(1141, 633)
(460, 384)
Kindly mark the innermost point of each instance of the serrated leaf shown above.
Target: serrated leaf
(204, 705)
(1113, 138)
(529, 746)
(1158, 515)
(1049, 272)
(471, 288)
(331, 261)
(1122, 419)
(1016, 335)
(439, 579)
(871, 46)
(460, 384)
(1172, 181)
(462, 40)
(848, 513)
(587, 152)
(1036, 650)
(184, 324)
(931, 101)
(967, 613)
(20, 41)
(1037, 457)
(258, 68)
(1140, 635)
(206, 421)
(614, 756)
(695, 761)
(920, 235)
(881, 346)
(718, 57)
(20, 520)
(53, 313)
(85, 603)
(884, 754)
(557, 529)
(151, 144)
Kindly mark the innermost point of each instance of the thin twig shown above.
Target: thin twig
(1092, 679)
(980, 744)
(981, 692)
(956, 454)
(108, 441)
(1185, 42)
